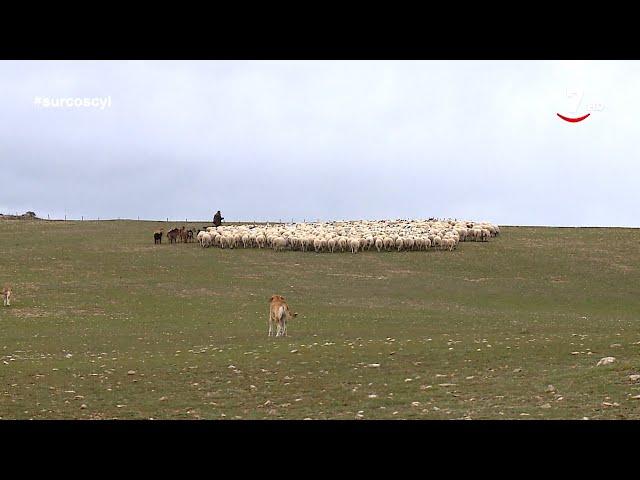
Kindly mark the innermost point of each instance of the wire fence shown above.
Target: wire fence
(82, 218)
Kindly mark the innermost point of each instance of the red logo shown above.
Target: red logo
(573, 120)
(576, 97)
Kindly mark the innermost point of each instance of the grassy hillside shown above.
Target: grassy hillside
(105, 324)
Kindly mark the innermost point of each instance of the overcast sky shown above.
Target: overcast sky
(269, 140)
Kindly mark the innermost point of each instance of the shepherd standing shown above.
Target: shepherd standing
(217, 219)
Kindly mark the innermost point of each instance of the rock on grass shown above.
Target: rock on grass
(606, 361)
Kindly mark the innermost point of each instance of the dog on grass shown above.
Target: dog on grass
(279, 314)
(6, 295)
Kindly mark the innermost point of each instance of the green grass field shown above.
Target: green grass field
(105, 324)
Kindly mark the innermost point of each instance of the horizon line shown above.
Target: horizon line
(169, 220)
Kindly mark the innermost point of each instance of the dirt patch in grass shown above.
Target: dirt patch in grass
(198, 292)
(402, 272)
(352, 275)
(57, 312)
(623, 268)
(251, 277)
(558, 280)
(30, 312)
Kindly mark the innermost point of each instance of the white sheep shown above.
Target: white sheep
(279, 244)
(354, 244)
(331, 244)
(409, 235)
(206, 240)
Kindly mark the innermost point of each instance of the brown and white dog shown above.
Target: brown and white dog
(6, 295)
(279, 314)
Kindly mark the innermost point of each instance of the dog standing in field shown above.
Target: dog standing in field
(279, 314)
(6, 295)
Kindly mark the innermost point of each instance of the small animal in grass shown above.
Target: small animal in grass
(6, 295)
(157, 236)
(279, 314)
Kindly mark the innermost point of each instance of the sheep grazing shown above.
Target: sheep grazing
(354, 245)
(409, 243)
(352, 236)
(206, 240)
(279, 244)
(183, 234)
(173, 235)
(448, 243)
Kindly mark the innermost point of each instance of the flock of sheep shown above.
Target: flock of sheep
(352, 236)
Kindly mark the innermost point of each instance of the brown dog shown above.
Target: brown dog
(6, 295)
(279, 314)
